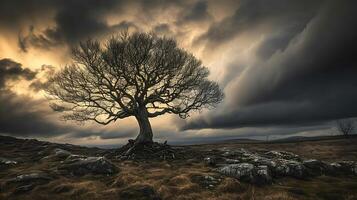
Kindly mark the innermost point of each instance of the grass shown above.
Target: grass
(175, 179)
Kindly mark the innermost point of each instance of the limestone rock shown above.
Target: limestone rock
(25, 178)
(241, 171)
(80, 165)
(207, 181)
(262, 175)
(61, 153)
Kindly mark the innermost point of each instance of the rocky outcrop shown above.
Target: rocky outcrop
(206, 181)
(26, 182)
(247, 172)
(80, 165)
(262, 167)
(60, 153)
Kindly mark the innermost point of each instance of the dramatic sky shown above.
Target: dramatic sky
(286, 67)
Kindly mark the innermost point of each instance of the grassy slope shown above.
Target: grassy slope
(173, 180)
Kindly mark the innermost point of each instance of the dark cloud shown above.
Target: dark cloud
(19, 116)
(11, 70)
(163, 29)
(253, 13)
(312, 80)
(198, 13)
(47, 39)
(73, 20)
(41, 83)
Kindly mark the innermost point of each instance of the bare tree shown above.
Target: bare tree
(138, 75)
(345, 126)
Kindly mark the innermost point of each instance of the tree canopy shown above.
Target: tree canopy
(137, 74)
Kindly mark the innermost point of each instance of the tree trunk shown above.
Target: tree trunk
(145, 134)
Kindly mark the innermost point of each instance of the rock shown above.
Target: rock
(231, 161)
(139, 192)
(23, 189)
(290, 168)
(347, 167)
(282, 155)
(342, 167)
(208, 182)
(262, 175)
(5, 163)
(248, 172)
(316, 167)
(25, 178)
(261, 167)
(60, 153)
(80, 165)
(26, 182)
(210, 161)
(241, 171)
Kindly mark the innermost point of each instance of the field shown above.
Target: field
(174, 179)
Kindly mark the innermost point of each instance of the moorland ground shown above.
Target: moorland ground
(178, 178)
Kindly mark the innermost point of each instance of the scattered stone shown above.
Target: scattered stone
(261, 168)
(208, 182)
(25, 178)
(262, 175)
(26, 182)
(61, 153)
(80, 165)
(23, 189)
(241, 171)
(290, 168)
(5, 163)
(139, 192)
(316, 167)
(211, 161)
(348, 167)
(282, 155)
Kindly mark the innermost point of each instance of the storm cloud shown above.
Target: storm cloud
(312, 80)
(19, 114)
(286, 67)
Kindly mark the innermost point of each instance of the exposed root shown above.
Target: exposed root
(153, 150)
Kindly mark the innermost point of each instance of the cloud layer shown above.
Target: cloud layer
(285, 66)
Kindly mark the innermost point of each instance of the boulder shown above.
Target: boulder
(261, 167)
(31, 177)
(61, 153)
(248, 172)
(262, 175)
(26, 182)
(290, 168)
(211, 161)
(23, 189)
(5, 163)
(347, 167)
(207, 181)
(282, 155)
(80, 165)
(316, 167)
(241, 171)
